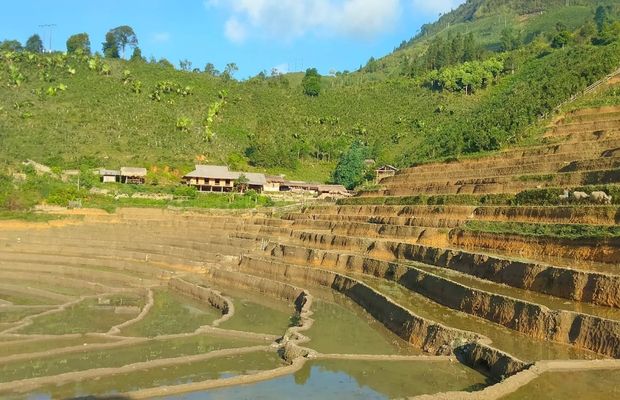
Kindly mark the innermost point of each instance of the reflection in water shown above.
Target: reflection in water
(344, 379)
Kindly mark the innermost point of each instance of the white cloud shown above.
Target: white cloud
(289, 19)
(161, 37)
(235, 31)
(281, 69)
(435, 6)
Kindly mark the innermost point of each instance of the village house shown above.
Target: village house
(274, 183)
(384, 171)
(133, 175)
(219, 179)
(109, 175)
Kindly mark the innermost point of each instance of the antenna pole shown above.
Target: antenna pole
(50, 28)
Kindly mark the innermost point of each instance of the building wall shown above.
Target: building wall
(108, 179)
(271, 187)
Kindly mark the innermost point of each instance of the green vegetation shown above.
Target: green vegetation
(534, 197)
(7, 349)
(351, 170)
(116, 357)
(86, 316)
(216, 368)
(312, 82)
(461, 96)
(172, 313)
(560, 231)
(264, 317)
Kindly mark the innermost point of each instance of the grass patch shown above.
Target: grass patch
(172, 313)
(86, 316)
(216, 368)
(28, 216)
(559, 231)
(252, 316)
(150, 350)
(9, 348)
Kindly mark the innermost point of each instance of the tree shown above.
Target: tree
(185, 65)
(350, 170)
(110, 48)
(510, 39)
(311, 82)
(118, 39)
(561, 39)
(79, 43)
(241, 183)
(165, 63)
(601, 17)
(229, 71)
(136, 56)
(211, 70)
(11, 45)
(34, 44)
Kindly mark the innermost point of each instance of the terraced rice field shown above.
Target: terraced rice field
(346, 300)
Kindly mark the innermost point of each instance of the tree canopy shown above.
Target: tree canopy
(34, 44)
(78, 43)
(312, 82)
(10, 45)
(350, 170)
(118, 39)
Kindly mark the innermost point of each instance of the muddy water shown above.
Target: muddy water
(223, 367)
(255, 313)
(343, 379)
(515, 343)
(342, 327)
(582, 385)
(553, 303)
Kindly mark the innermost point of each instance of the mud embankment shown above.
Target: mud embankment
(207, 295)
(555, 215)
(591, 250)
(587, 286)
(584, 331)
(422, 333)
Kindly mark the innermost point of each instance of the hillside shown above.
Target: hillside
(71, 111)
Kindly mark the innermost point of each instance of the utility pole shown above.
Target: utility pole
(50, 28)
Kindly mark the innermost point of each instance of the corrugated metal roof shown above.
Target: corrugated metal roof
(133, 171)
(222, 172)
(109, 172)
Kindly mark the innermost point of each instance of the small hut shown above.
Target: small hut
(133, 175)
(109, 175)
(384, 171)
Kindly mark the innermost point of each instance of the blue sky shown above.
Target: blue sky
(255, 34)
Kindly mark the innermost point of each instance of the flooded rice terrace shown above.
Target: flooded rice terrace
(149, 304)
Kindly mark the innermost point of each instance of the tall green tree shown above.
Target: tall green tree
(211, 70)
(118, 39)
(110, 48)
(79, 43)
(34, 44)
(510, 39)
(311, 82)
(601, 17)
(136, 56)
(351, 170)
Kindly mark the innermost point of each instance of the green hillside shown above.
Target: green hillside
(74, 111)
